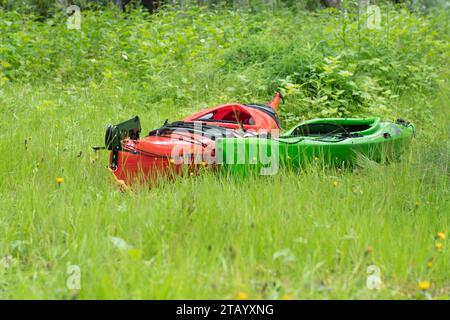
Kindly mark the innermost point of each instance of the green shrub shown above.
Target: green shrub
(327, 64)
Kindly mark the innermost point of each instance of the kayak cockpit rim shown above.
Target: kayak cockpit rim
(320, 127)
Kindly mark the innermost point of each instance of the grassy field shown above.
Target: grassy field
(310, 234)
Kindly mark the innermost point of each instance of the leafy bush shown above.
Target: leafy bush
(327, 64)
(343, 68)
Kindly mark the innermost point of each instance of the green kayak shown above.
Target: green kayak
(337, 142)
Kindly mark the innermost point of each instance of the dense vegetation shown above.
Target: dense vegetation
(340, 68)
(308, 234)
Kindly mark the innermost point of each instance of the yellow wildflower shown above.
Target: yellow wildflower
(424, 285)
(440, 236)
(242, 296)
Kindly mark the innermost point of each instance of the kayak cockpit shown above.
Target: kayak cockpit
(228, 114)
(330, 127)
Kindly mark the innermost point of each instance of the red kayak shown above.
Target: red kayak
(183, 147)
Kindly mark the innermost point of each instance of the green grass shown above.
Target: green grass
(296, 234)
